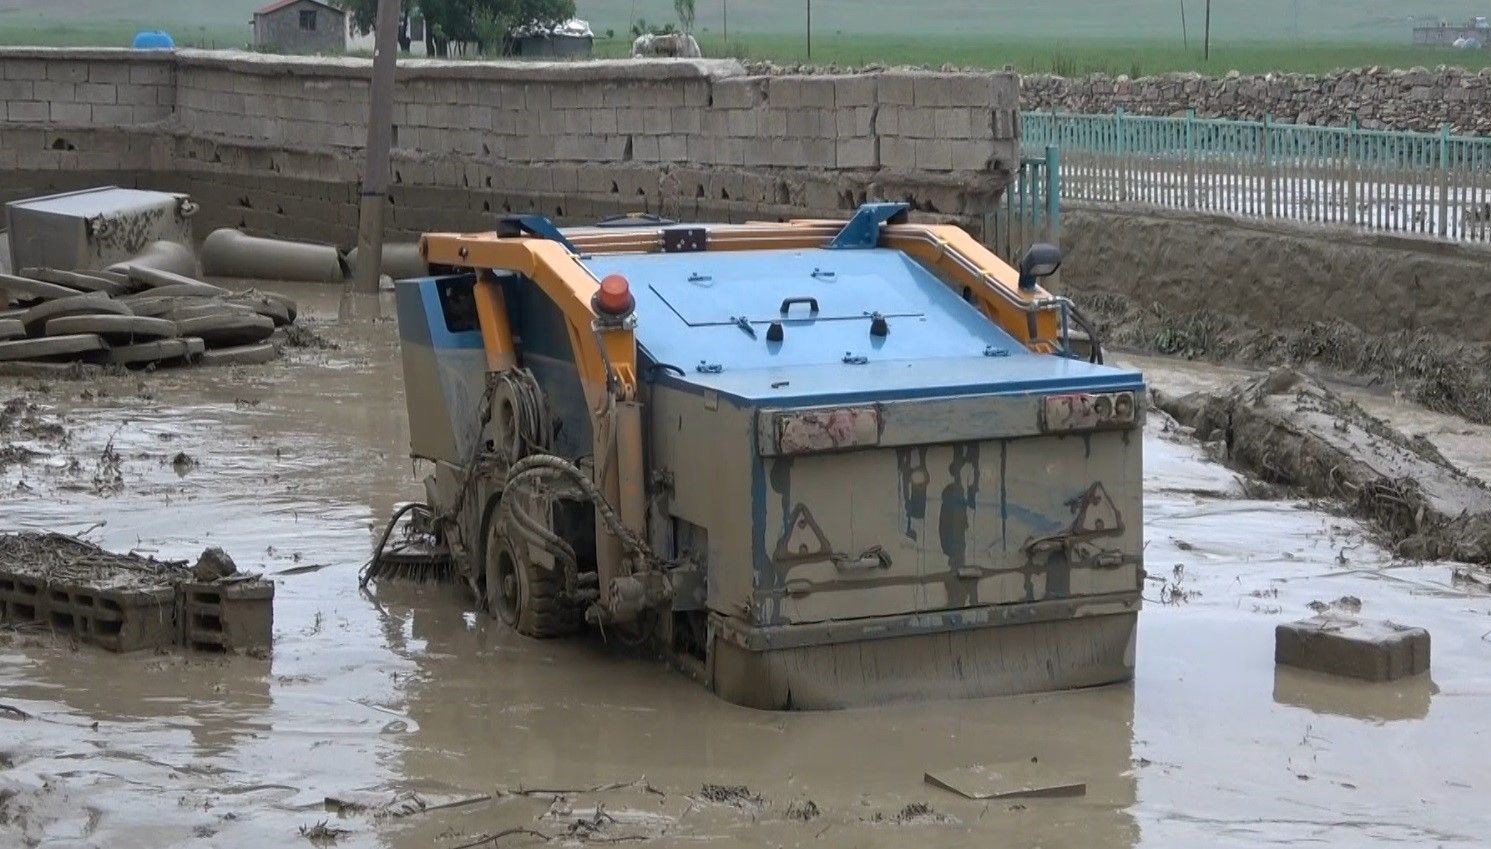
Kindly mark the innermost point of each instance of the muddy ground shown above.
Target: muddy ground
(368, 699)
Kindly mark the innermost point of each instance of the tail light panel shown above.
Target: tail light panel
(1082, 411)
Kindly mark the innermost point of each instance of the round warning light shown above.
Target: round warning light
(615, 296)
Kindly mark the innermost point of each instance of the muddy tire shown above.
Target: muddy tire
(51, 348)
(116, 329)
(228, 329)
(526, 597)
(145, 353)
(75, 280)
(160, 282)
(13, 288)
(93, 303)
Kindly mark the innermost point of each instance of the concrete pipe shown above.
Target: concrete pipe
(162, 256)
(401, 261)
(229, 253)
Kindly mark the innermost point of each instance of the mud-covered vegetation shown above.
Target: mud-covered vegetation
(1443, 374)
(1291, 431)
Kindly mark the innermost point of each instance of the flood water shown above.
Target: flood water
(405, 689)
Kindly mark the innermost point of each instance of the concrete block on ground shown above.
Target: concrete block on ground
(1351, 647)
(22, 598)
(226, 616)
(120, 620)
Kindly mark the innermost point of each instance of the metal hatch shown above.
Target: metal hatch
(777, 286)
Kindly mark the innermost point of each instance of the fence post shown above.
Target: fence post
(1354, 172)
(1444, 180)
(1268, 166)
(1053, 193)
(1191, 158)
(1121, 148)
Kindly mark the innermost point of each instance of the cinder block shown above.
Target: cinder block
(739, 92)
(151, 73)
(67, 71)
(71, 113)
(96, 93)
(1351, 647)
(24, 69)
(970, 155)
(818, 92)
(22, 598)
(113, 73)
(898, 88)
(16, 89)
(120, 620)
(934, 155)
(897, 153)
(113, 114)
(857, 153)
(27, 110)
(858, 90)
(235, 616)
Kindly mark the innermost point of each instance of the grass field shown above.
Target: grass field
(1069, 37)
(1072, 57)
(113, 23)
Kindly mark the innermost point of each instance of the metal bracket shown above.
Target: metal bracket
(684, 240)
(533, 225)
(863, 230)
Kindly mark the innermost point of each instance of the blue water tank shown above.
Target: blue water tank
(154, 40)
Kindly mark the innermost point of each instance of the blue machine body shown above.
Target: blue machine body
(703, 321)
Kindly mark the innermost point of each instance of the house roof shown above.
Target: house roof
(282, 4)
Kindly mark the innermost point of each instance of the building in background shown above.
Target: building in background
(300, 26)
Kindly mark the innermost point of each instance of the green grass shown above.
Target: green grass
(1073, 57)
(113, 23)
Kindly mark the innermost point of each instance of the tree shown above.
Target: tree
(485, 22)
(364, 14)
(685, 10)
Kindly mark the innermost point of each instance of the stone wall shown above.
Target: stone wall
(273, 143)
(1416, 99)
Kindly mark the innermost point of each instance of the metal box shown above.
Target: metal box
(95, 228)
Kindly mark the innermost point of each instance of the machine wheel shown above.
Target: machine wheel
(527, 597)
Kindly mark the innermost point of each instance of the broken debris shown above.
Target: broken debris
(1019, 779)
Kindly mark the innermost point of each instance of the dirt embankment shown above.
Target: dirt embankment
(1443, 374)
(1291, 431)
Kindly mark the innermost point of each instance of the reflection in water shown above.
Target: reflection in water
(1378, 702)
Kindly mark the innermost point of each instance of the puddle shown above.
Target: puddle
(405, 691)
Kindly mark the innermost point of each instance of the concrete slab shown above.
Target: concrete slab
(1351, 647)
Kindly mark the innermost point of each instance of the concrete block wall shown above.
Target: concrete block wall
(274, 143)
(81, 88)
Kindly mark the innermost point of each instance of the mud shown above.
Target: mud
(369, 698)
(1295, 432)
(1441, 373)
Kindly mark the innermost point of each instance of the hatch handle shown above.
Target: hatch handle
(787, 304)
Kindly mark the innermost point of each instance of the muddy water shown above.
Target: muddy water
(405, 690)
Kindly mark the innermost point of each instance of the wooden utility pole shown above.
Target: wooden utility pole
(810, 30)
(1206, 53)
(1185, 33)
(380, 141)
(727, 21)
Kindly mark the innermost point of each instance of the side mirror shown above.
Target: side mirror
(1040, 262)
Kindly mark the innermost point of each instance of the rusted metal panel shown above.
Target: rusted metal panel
(808, 431)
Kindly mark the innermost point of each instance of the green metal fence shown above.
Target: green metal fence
(1030, 211)
(1433, 184)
